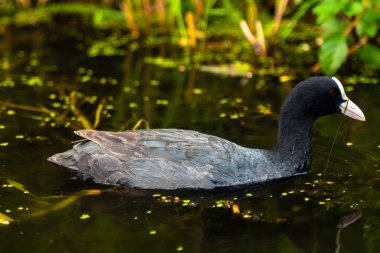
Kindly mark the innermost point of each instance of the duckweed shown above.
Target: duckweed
(133, 105)
(198, 91)
(84, 216)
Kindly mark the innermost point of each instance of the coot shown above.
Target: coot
(174, 158)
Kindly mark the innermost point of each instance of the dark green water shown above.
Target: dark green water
(293, 215)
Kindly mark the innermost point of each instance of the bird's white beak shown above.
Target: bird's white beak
(347, 107)
(351, 110)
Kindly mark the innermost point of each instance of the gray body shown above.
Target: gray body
(169, 159)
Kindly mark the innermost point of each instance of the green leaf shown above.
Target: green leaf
(370, 54)
(368, 24)
(333, 25)
(324, 12)
(217, 12)
(98, 18)
(353, 8)
(328, 9)
(333, 53)
(371, 30)
(371, 15)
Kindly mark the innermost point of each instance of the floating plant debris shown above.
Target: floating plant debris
(235, 209)
(5, 219)
(84, 216)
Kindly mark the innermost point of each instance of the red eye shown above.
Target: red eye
(332, 93)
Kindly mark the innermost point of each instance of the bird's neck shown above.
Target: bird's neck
(294, 139)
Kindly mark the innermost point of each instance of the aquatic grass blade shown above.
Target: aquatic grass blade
(335, 138)
(66, 202)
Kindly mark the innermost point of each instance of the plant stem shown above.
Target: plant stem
(280, 9)
(354, 22)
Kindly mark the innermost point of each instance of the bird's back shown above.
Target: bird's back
(163, 159)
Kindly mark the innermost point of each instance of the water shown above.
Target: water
(300, 214)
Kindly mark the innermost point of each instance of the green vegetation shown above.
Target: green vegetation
(223, 37)
(211, 31)
(349, 27)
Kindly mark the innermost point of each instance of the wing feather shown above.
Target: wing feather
(165, 158)
(171, 144)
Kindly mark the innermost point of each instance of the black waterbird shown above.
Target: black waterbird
(175, 159)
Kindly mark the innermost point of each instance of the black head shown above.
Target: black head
(319, 96)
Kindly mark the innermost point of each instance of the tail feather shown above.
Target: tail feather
(88, 160)
(66, 159)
